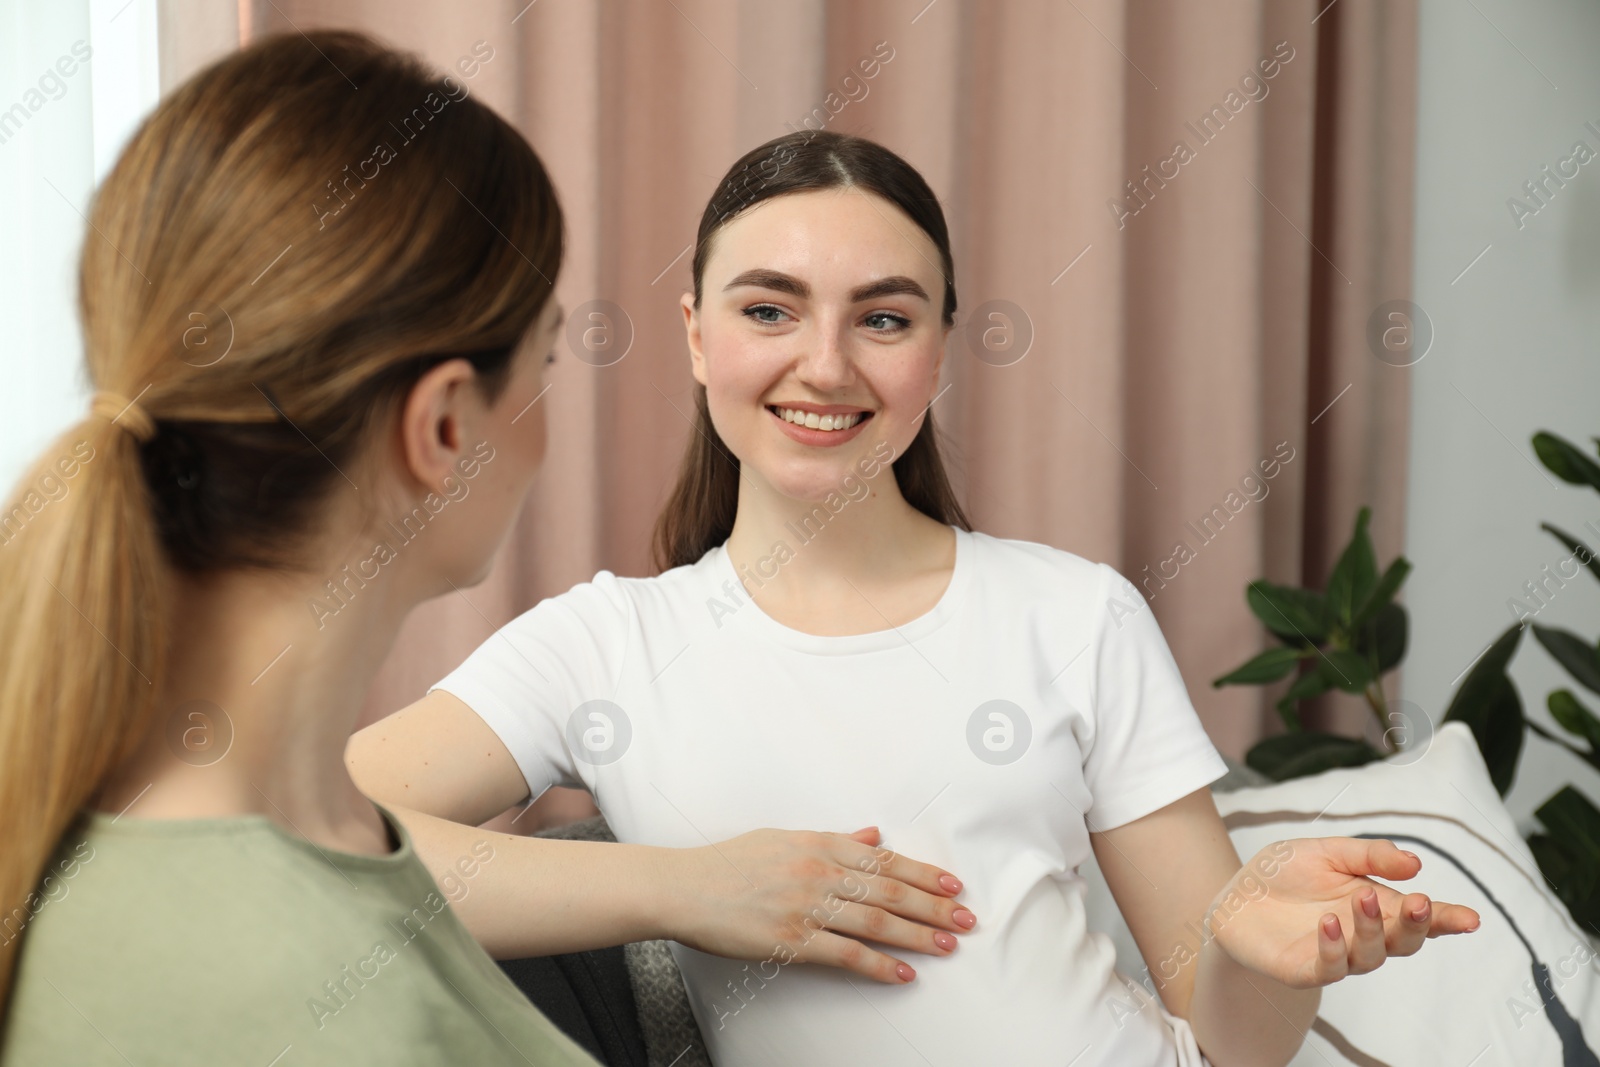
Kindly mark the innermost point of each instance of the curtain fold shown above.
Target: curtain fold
(1184, 309)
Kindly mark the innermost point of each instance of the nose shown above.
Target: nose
(825, 363)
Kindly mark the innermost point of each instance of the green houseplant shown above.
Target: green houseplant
(1345, 638)
(1568, 851)
(1348, 636)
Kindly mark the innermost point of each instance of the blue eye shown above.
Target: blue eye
(893, 323)
(758, 313)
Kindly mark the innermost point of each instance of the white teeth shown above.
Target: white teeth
(819, 422)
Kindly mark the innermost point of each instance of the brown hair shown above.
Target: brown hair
(699, 514)
(334, 218)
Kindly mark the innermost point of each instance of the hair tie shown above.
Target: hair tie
(124, 413)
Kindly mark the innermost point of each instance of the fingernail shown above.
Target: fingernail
(944, 941)
(1420, 913)
(950, 883)
(1330, 927)
(964, 918)
(1413, 855)
(905, 972)
(867, 830)
(1369, 904)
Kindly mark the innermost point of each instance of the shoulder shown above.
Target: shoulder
(1061, 595)
(195, 885)
(172, 930)
(609, 596)
(665, 599)
(1041, 570)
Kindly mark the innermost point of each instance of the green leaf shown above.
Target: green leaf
(1574, 653)
(1308, 685)
(1296, 755)
(1488, 703)
(1565, 874)
(1574, 823)
(1383, 592)
(1345, 668)
(1269, 666)
(1565, 461)
(1490, 666)
(1576, 547)
(1389, 631)
(1356, 573)
(1574, 718)
(1296, 615)
(1497, 725)
(1554, 862)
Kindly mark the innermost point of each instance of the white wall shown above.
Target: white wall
(1506, 87)
(50, 162)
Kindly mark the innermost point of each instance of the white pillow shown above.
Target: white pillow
(1463, 999)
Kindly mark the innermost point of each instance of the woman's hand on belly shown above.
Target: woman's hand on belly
(788, 895)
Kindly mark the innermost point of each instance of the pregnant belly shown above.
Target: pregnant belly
(1032, 987)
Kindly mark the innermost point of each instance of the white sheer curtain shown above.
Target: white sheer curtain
(76, 77)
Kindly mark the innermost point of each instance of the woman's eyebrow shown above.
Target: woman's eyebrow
(787, 283)
(772, 279)
(897, 283)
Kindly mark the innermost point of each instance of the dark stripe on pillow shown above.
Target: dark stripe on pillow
(1575, 1051)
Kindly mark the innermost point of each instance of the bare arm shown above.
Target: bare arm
(1301, 914)
(442, 771)
(1165, 870)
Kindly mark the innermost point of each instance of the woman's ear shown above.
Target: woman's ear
(691, 329)
(437, 420)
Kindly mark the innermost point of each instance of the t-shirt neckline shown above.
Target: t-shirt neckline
(106, 823)
(749, 613)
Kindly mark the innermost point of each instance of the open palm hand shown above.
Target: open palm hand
(1318, 915)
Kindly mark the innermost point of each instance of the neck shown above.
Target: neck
(255, 666)
(801, 552)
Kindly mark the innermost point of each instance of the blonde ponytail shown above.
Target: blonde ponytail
(316, 322)
(82, 611)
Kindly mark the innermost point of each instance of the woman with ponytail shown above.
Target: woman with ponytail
(187, 876)
(305, 422)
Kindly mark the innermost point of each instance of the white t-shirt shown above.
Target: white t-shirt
(1037, 692)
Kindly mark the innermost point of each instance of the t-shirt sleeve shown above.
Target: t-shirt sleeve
(533, 674)
(1149, 748)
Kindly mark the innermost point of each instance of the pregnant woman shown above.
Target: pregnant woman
(830, 644)
(292, 398)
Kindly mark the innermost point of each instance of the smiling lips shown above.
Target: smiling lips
(812, 420)
(813, 425)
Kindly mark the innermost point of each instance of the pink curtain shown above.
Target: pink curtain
(1189, 309)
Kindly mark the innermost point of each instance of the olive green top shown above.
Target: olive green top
(233, 941)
